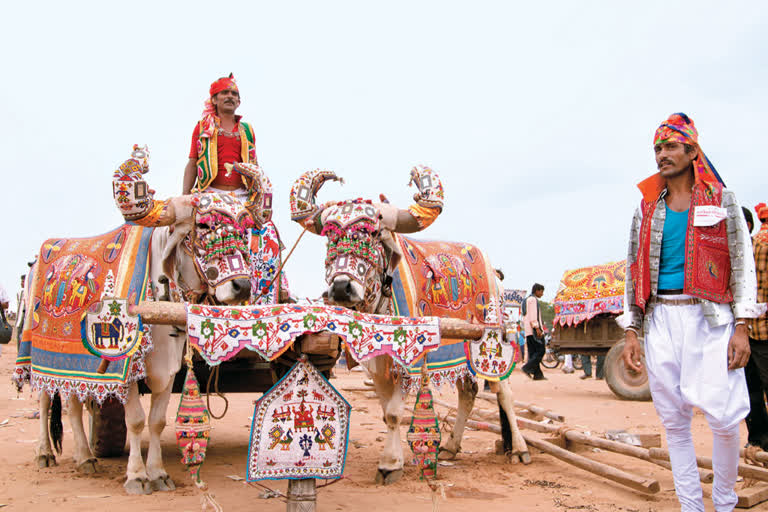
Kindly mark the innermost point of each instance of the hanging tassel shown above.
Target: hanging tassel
(193, 429)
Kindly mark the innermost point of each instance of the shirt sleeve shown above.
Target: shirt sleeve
(195, 136)
(743, 281)
(633, 315)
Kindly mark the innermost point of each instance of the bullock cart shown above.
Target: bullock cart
(586, 306)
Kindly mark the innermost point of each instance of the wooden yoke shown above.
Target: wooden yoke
(174, 313)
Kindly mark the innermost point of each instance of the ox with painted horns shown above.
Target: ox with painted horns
(366, 264)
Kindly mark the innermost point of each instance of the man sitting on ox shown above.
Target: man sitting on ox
(692, 287)
(220, 138)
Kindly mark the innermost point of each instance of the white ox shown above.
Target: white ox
(175, 254)
(358, 277)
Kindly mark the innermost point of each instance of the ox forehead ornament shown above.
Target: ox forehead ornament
(220, 240)
(353, 248)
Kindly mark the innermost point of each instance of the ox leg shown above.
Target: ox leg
(158, 478)
(136, 479)
(45, 457)
(390, 395)
(519, 451)
(467, 392)
(84, 459)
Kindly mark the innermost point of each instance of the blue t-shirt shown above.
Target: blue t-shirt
(672, 264)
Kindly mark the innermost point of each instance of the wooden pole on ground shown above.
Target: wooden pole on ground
(706, 476)
(302, 495)
(646, 485)
(760, 456)
(745, 470)
(535, 409)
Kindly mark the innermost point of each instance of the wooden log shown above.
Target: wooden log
(759, 456)
(745, 470)
(646, 485)
(706, 476)
(174, 313)
(302, 495)
(751, 496)
(533, 408)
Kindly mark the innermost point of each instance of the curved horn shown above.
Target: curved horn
(259, 186)
(134, 198)
(429, 201)
(303, 192)
(430, 187)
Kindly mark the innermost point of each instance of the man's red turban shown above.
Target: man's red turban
(224, 84)
(762, 211)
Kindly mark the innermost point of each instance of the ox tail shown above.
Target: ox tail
(506, 429)
(56, 426)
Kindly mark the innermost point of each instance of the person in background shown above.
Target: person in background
(586, 363)
(534, 334)
(756, 371)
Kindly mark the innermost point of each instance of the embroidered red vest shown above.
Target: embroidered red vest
(707, 259)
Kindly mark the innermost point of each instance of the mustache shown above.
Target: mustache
(663, 162)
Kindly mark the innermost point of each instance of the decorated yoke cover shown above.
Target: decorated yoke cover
(220, 332)
(589, 291)
(455, 280)
(300, 428)
(71, 277)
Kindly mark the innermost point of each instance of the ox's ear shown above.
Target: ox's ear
(304, 210)
(180, 230)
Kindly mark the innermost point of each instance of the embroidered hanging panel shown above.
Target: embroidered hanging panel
(300, 428)
(589, 291)
(70, 277)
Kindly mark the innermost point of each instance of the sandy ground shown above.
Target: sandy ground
(478, 479)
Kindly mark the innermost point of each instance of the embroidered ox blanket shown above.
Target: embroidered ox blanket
(455, 280)
(70, 276)
(589, 291)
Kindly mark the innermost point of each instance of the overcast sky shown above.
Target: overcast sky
(538, 116)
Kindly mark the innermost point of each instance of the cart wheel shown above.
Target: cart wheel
(626, 384)
(550, 360)
(108, 431)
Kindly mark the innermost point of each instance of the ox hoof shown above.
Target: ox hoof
(515, 457)
(138, 486)
(45, 461)
(387, 476)
(87, 467)
(163, 484)
(445, 454)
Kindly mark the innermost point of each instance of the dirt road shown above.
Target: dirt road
(477, 480)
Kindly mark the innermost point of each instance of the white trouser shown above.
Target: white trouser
(240, 193)
(568, 363)
(687, 365)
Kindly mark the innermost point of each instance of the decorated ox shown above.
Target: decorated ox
(372, 267)
(197, 245)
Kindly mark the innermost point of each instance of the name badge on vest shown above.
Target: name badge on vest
(704, 216)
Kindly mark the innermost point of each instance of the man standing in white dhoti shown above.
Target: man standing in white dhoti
(692, 288)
